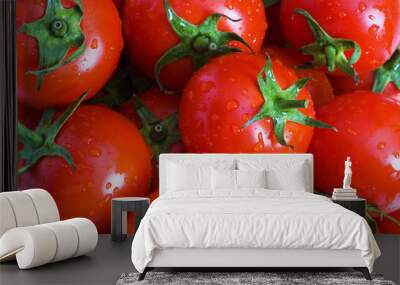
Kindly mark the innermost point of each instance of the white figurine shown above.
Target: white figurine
(347, 174)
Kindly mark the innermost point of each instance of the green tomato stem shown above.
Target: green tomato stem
(282, 105)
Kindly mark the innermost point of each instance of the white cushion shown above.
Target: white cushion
(286, 175)
(40, 244)
(26, 208)
(251, 178)
(45, 206)
(66, 237)
(7, 218)
(87, 235)
(223, 179)
(23, 208)
(183, 177)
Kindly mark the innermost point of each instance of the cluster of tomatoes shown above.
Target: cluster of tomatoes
(105, 86)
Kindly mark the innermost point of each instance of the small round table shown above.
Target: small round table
(119, 208)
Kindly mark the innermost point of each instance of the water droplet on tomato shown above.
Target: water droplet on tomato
(229, 4)
(95, 152)
(381, 145)
(108, 185)
(206, 86)
(232, 105)
(214, 117)
(93, 44)
(361, 7)
(371, 17)
(236, 130)
(249, 12)
(352, 132)
(396, 174)
(246, 117)
(373, 29)
(342, 14)
(259, 146)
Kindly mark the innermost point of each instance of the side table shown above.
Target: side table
(357, 206)
(119, 209)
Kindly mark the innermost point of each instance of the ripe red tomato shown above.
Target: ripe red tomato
(119, 4)
(98, 36)
(319, 86)
(153, 195)
(29, 117)
(343, 85)
(369, 132)
(373, 24)
(111, 158)
(385, 80)
(221, 100)
(160, 104)
(274, 35)
(149, 35)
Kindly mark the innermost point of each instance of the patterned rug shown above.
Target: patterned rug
(244, 278)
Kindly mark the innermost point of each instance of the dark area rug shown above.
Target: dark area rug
(244, 278)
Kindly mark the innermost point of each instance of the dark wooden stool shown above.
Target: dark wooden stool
(119, 209)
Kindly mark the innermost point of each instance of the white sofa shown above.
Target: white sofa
(31, 231)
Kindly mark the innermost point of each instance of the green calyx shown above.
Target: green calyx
(200, 43)
(41, 141)
(56, 33)
(159, 134)
(389, 72)
(281, 105)
(330, 51)
(373, 209)
(117, 91)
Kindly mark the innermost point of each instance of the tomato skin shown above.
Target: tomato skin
(111, 158)
(375, 25)
(319, 85)
(387, 226)
(119, 4)
(223, 95)
(153, 195)
(160, 104)
(275, 35)
(343, 85)
(368, 132)
(29, 117)
(148, 34)
(101, 26)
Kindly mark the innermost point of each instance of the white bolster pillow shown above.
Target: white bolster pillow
(26, 208)
(24, 211)
(40, 244)
(45, 206)
(7, 218)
